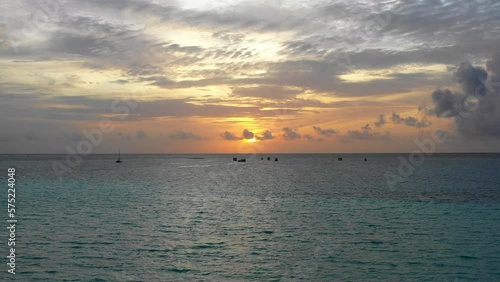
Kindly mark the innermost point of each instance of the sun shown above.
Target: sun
(253, 140)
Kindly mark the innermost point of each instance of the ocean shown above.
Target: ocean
(306, 217)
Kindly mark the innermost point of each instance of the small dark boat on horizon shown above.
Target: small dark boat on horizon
(242, 160)
(119, 155)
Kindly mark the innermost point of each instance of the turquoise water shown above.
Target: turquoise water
(304, 218)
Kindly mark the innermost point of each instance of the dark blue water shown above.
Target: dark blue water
(304, 218)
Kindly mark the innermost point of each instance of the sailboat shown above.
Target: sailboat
(118, 160)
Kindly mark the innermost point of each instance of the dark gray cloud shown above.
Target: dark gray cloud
(446, 103)
(472, 79)
(311, 138)
(409, 121)
(85, 45)
(395, 84)
(159, 81)
(186, 135)
(290, 134)
(140, 134)
(324, 132)
(366, 134)
(476, 109)
(473, 84)
(303, 48)
(457, 21)
(124, 136)
(34, 104)
(381, 121)
(447, 54)
(279, 78)
(230, 136)
(266, 135)
(247, 134)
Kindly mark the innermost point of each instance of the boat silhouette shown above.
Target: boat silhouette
(119, 155)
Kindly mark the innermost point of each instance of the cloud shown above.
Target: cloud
(159, 81)
(446, 103)
(85, 45)
(325, 132)
(395, 83)
(266, 135)
(271, 56)
(409, 121)
(229, 136)
(366, 134)
(472, 79)
(37, 105)
(313, 139)
(461, 22)
(381, 121)
(140, 134)
(266, 91)
(247, 134)
(124, 136)
(476, 109)
(290, 134)
(186, 135)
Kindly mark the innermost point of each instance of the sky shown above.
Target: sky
(249, 76)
